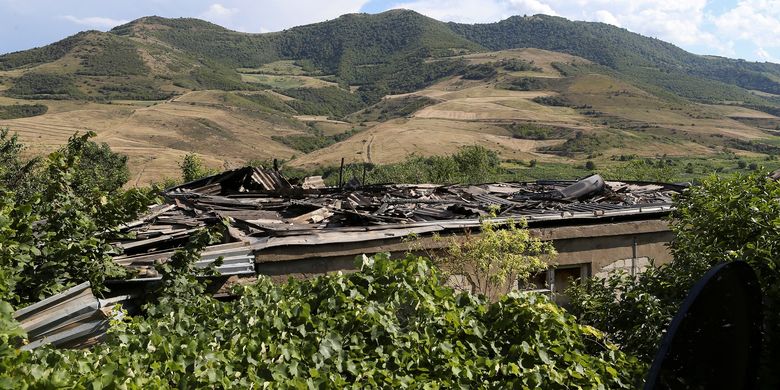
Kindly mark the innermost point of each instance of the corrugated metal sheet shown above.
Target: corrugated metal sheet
(270, 180)
(72, 318)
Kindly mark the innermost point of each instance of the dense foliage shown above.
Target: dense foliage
(193, 167)
(536, 131)
(391, 108)
(44, 86)
(22, 111)
(498, 261)
(55, 235)
(41, 55)
(479, 72)
(113, 56)
(390, 325)
(470, 164)
(620, 49)
(329, 101)
(722, 219)
(585, 143)
(305, 142)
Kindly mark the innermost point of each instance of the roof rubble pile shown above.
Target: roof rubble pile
(265, 210)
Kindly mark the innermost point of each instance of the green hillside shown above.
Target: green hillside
(390, 52)
(541, 91)
(619, 49)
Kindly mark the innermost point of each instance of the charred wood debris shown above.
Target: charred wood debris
(262, 209)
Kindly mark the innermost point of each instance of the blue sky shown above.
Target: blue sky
(748, 29)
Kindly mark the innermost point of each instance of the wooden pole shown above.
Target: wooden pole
(341, 173)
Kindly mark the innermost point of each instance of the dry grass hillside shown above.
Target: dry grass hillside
(538, 113)
(157, 136)
(619, 117)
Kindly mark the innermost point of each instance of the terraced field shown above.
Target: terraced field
(609, 117)
(157, 137)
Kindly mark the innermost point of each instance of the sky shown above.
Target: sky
(747, 29)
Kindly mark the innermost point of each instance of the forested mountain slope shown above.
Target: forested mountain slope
(618, 48)
(376, 88)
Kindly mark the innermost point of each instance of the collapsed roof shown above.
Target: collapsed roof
(264, 209)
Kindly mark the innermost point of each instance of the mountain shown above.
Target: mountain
(376, 87)
(620, 49)
(378, 51)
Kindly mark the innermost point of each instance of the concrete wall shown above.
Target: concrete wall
(598, 247)
(602, 245)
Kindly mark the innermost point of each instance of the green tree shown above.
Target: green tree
(477, 162)
(722, 219)
(498, 260)
(58, 236)
(193, 168)
(14, 171)
(100, 167)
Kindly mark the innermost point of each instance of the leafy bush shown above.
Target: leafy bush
(518, 65)
(330, 101)
(497, 261)
(555, 101)
(57, 236)
(722, 219)
(14, 171)
(584, 143)
(470, 164)
(392, 108)
(99, 168)
(390, 325)
(193, 168)
(133, 89)
(305, 143)
(537, 132)
(527, 84)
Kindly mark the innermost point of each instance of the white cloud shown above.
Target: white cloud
(605, 16)
(95, 21)
(678, 21)
(274, 15)
(764, 55)
(219, 11)
(464, 11)
(220, 14)
(532, 7)
(757, 21)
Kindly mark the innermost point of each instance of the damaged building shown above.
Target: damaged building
(281, 229)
